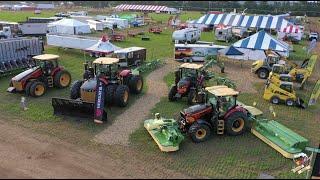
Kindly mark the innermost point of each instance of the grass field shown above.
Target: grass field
(220, 157)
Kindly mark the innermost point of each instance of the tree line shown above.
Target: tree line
(297, 8)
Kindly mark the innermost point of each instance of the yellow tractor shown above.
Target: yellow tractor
(283, 92)
(263, 67)
(298, 74)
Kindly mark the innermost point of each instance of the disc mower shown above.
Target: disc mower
(46, 74)
(104, 84)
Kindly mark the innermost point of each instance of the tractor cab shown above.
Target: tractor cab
(221, 98)
(47, 62)
(272, 59)
(279, 73)
(188, 72)
(287, 86)
(106, 66)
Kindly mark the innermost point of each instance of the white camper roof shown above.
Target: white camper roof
(130, 49)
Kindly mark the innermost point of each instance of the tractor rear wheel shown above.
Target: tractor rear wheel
(275, 100)
(172, 93)
(75, 89)
(192, 97)
(37, 89)
(62, 79)
(199, 132)
(136, 84)
(122, 95)
(263, 73)
(27, 88)
(236, 123)
(110, 90)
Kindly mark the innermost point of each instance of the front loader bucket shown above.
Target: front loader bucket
(279, 137)
(165, 132)
(71, 107)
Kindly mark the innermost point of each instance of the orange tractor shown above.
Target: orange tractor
(46, 74)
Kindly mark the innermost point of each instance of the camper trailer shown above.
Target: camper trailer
(189, 35)
(195, 52)
(132, 56)
(223, 34)
(96, 25)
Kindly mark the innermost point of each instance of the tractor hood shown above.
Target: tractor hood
(24, 74)
(195, 108)
(89, 84)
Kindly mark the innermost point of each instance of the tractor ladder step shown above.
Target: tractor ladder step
(50, 81)
(220, 127)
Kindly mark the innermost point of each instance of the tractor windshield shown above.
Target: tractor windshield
(186, 72)
(226, 103)
(46, 65)
(109, 70)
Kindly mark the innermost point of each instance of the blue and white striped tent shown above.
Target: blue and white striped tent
(236, 20)
(262, 41)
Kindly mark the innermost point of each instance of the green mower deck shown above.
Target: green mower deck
(165, 133)
(279, 137)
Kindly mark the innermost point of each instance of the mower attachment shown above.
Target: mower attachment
(165, 132)
(279, 137)
(72, 107)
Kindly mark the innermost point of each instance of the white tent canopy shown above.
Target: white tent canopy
(68, 26)
(103, 47)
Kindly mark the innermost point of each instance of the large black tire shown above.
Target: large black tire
(275, 100)
(27, 88)
(192, 97)
(136, 84)
(37, 89)
(236, 123)
(62, 79)
(263, 73)
(110, 91)
(172, 93)
(75, 89)
(122, 95)
(199, 132)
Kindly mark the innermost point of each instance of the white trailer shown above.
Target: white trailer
(120, 23)
(189, 35)
(195, 52)
(32, 28)
(71, 41)
(96, 25)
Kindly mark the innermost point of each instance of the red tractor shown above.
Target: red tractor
(189, 80)
(220, 112)
(35, 81)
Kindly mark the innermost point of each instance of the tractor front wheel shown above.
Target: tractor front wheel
(199, 132)
(236, 123)
(172, 93)
(75, 89)
(37, 89)
(27, 88)
(136, 84)
(122, 95)
(110, 90)
(62, 79)
(263, 73)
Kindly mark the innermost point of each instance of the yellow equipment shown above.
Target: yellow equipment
(263, 67)
(282, 93)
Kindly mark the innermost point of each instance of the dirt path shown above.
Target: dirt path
(126, 123)
(242, 76)
(25, 154)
